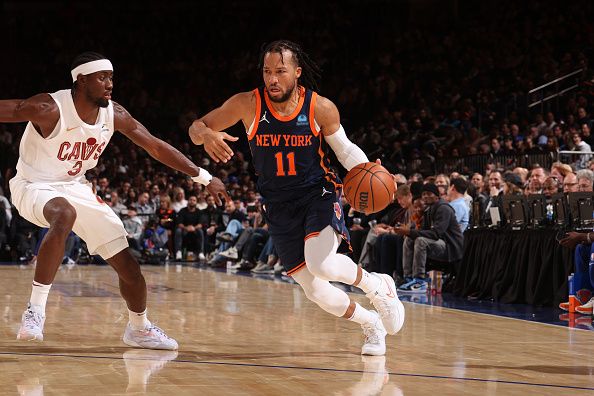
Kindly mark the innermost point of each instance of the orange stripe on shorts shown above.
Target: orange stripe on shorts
(311, 235)
(296, 269)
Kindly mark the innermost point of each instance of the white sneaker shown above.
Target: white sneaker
(178, 255)
(386, 301)
(262, 268)
(375, 337)
(586, 309)
(230, 253)
(31, 326)
(201, 256)
(150, 338)
(142, 363)
(278, 268)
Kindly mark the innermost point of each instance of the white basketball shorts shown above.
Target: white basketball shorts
(95, 222)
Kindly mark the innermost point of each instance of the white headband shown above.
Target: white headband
(91, 67)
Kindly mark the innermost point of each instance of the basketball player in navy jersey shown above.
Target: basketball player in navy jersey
(288, 126)
(66, 133)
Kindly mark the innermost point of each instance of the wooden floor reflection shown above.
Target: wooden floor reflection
(251, 336)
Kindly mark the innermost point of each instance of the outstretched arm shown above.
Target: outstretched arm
(208, 129)
(164, 152)
(40, 109)
(347, 153)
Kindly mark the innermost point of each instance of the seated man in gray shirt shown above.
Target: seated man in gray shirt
(440, 239)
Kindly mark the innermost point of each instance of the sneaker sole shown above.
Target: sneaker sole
(373, 353)
(29, 337)
(137, 345)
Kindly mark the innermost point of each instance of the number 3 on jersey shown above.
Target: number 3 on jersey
(280, 168)
(76, 168)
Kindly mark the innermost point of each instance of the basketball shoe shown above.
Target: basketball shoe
(150, 338)
(375, 337)
(586, 309)
(386, 301)
(31, 326)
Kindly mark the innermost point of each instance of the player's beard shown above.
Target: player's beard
(101, 102)
(286, 95)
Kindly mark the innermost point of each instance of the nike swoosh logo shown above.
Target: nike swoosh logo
(390, 291)
(69, 129)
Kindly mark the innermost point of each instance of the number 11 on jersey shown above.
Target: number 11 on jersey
(280, 168)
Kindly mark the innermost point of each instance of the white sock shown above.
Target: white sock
(362, 315)
(39, 293)
(138, 321)
(369, 282)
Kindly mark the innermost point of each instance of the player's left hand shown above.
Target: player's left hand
(216, 188)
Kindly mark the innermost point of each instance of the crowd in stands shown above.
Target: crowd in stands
(415, 90)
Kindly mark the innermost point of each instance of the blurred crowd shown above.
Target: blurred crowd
(423, 86)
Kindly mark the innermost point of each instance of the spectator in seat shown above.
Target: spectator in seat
(456, 199)
(179, 199)
(560, 170)
(134, 227)
(114, 202)
(189, 235)
(154, 238)
(580, 145)
(570, 183)
(167, 219)
(522, 173)
(388, 245)
(144, 208)
(440, 239)
(492, 198)
(551, 186)
(443, 184)
(536, 180)
(585, 179)
(230, 226)
(512, 184)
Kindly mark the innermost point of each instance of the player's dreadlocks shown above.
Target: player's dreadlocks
(310, 73)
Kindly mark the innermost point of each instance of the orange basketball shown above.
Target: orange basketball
(369, 187)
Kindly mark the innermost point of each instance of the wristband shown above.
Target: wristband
(203, 177)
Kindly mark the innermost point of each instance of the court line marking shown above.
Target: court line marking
(303, 368)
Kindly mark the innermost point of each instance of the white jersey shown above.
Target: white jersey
(70, 150)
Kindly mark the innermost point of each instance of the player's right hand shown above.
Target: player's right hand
(216, 188)
(572, 239)
(216, 147)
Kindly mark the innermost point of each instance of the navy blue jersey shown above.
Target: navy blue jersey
(287, 151)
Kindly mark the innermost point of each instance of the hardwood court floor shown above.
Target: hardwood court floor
(250, 336)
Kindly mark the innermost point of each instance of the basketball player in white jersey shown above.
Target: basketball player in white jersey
(66, 133)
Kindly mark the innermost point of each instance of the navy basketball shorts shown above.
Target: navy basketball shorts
(291, 223)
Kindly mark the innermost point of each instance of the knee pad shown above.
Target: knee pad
(329, 298)
(319, 252)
